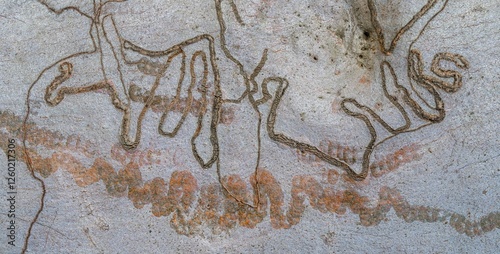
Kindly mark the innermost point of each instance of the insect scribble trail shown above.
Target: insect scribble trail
(415, 73)
(28, 108)
(194, 207)
(210, 105)
(56, 92)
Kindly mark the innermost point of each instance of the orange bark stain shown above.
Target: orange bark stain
(364, 80)
(192, 207)
(345, 153)
(388, 163)
(394, 160)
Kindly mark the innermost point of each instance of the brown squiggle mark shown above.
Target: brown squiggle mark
(220, 212)
(252, 88)
(160, 102)
(64, 150)
(366, 114)
(55, 93)
(379, 167)
(332, 148)
(193, 208)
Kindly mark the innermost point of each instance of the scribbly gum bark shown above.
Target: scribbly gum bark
(192, 205)
(258, 120)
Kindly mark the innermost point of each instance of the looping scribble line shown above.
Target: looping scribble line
(55, 93)
(415, 72)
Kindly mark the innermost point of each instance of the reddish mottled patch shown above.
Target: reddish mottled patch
(45, 166)
(161, 103)
(394, 160)
(227, 115)
(364, 80)
(141, 157)
(332, 176)
(337, 150)
(388, 163)
(82, 175)
(335, 106)
(193, 207)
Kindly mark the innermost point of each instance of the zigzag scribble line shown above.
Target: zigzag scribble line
(193, 207)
